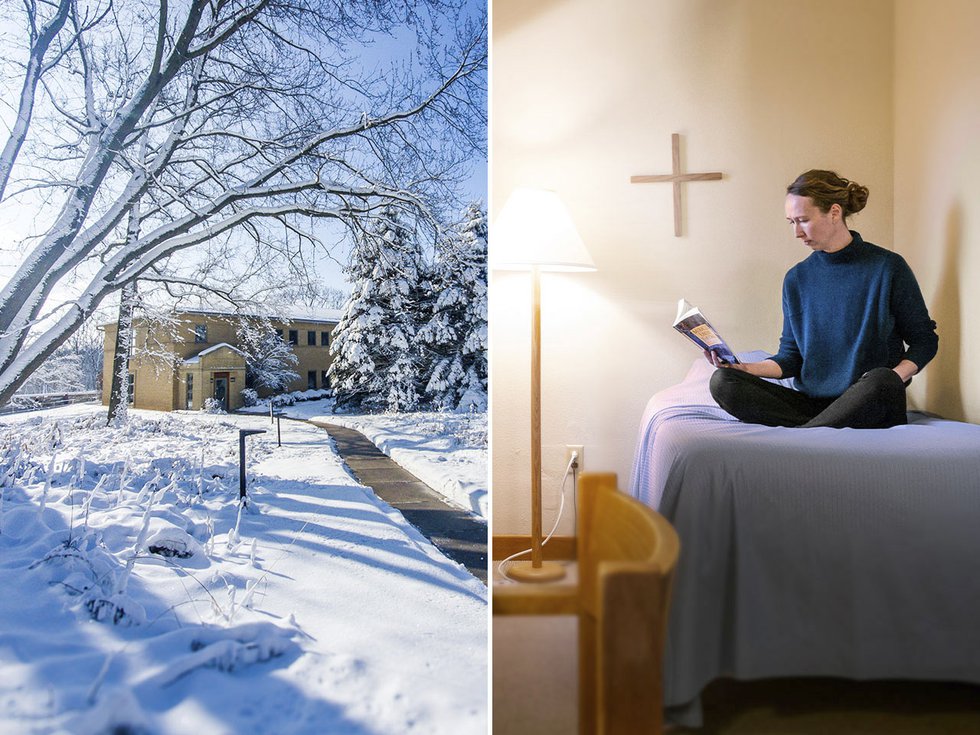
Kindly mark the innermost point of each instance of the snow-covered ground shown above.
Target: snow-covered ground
(136, 598)
(447, 451)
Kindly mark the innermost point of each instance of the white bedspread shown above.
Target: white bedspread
(829, 552)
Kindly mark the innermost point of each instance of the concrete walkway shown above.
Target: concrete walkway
(453, 531)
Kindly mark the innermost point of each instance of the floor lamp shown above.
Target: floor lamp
(534, 232)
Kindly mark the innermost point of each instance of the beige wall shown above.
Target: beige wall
(311, 357)
(586, 94)
(221, 360)
(154, 389)
(937, 187)
(166, 390)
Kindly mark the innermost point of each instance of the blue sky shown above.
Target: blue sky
(13, 226)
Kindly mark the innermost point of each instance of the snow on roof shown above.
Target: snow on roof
(290, 314)
(295, 314)
(202, 353)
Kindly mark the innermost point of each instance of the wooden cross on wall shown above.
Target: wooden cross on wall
(676, 178)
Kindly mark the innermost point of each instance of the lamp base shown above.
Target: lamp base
(549, 571)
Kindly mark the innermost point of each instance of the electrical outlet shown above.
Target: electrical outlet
(578, 449)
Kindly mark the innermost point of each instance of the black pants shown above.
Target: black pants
(875, 401)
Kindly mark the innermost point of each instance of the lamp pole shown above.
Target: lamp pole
(534, 231)
(539, 571)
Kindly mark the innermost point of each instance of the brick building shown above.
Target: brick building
(180, 368)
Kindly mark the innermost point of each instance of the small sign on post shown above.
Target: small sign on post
(278, 415)
(242, 433)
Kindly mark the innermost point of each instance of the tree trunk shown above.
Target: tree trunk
(119, 394)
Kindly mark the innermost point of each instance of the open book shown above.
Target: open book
(691, 323)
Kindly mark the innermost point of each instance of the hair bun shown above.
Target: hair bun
(857, 197)
(827, 188)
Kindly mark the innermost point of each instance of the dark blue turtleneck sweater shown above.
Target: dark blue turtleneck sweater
(847, 312)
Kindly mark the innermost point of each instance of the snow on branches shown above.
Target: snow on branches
(269, 359)
(456, 331)
(375, 365)
(237, 129)
(413, 333)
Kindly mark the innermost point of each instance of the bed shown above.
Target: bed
(823, 552)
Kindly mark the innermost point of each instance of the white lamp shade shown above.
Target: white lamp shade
(534, 229)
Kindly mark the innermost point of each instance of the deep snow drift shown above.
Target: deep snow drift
(139, 597)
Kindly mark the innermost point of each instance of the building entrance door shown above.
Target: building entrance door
(221, 390)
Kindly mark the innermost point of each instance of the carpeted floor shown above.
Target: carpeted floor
(839, 707)
(534, 693)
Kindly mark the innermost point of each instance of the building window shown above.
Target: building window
(200, 332)
(189, 394)
(311, 379)
(293, 337)
(324, 339)
(324, 379)
(279, 333)
(131, 389)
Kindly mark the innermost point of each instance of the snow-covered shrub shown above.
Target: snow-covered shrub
(298, 396)
(167, 540)
(474, 398)
(90, 575)
(472, 432)
(117, 609)
(312, 394)
(250, 396)
(213, 405)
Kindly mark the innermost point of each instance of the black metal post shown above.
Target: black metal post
(242, 433)
(279, 429)
(271, 419)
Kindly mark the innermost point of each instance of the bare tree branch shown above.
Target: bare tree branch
(251, 114)
(41, 40)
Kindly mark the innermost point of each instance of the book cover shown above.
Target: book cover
(692, 324)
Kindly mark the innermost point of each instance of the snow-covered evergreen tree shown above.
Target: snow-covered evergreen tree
(456, 332)
(269, 360)
(375, 358)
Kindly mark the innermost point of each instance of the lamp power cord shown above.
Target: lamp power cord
(570, 469)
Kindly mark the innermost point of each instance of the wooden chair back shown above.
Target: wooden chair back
(627, 554)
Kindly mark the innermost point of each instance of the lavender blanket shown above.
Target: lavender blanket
(825, 552)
